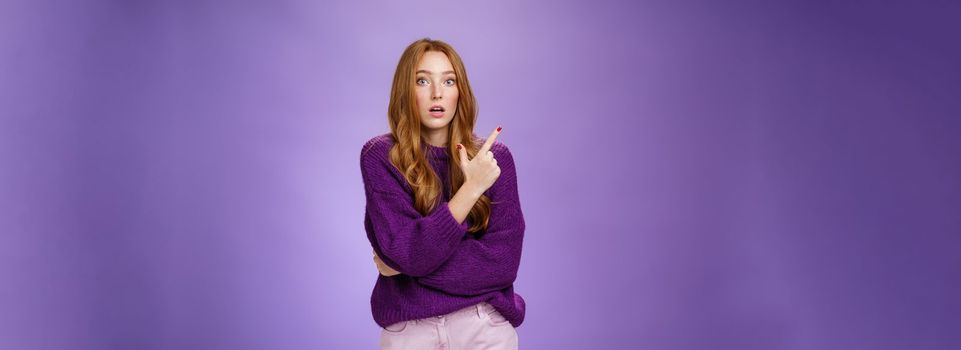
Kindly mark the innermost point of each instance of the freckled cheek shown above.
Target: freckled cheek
(421, 99)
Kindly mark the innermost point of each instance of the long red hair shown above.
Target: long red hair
(409, 153)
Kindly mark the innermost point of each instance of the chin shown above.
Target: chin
(436, 123)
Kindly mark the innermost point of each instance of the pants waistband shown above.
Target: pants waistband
(477, 310)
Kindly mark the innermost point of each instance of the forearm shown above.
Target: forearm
(478, 267)
(462, 202)
(407, 240)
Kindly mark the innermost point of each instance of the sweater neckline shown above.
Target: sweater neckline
(436, 152)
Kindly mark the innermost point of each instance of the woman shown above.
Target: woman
(443, 214)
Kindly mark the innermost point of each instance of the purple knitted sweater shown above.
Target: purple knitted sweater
(442, 267)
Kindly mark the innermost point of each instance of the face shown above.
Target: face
(436, 85)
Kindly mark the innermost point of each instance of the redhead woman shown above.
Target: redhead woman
(443, 214)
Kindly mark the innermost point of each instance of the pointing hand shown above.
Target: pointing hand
(482, 170)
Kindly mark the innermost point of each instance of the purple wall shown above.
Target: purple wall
(694, 175)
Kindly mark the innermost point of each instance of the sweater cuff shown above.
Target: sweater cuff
(450, 223)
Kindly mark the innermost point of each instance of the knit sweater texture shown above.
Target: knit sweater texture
(443, 268)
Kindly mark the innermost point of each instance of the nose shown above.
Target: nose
(436, 94)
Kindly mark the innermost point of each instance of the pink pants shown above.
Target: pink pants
(479, 326)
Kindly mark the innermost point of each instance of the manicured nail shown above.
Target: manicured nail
(498, 129)
(458, 146)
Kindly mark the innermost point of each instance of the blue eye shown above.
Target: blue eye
(453, 81)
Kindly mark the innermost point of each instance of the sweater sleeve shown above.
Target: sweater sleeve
(489, 262)
(404, 239)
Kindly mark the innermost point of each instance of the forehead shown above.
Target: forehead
(434, 61)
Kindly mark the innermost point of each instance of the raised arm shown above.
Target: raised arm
(405, 240)
(489, 262)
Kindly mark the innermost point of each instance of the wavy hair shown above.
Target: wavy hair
(409, 151)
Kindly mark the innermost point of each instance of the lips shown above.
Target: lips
(436, 111)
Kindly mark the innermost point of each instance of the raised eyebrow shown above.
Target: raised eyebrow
(429, 72)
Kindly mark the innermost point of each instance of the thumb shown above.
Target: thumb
(463, 154)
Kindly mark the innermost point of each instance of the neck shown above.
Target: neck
(436, 137)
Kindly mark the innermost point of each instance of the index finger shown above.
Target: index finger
(490, 141)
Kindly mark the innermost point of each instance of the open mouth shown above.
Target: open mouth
(437, 109)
